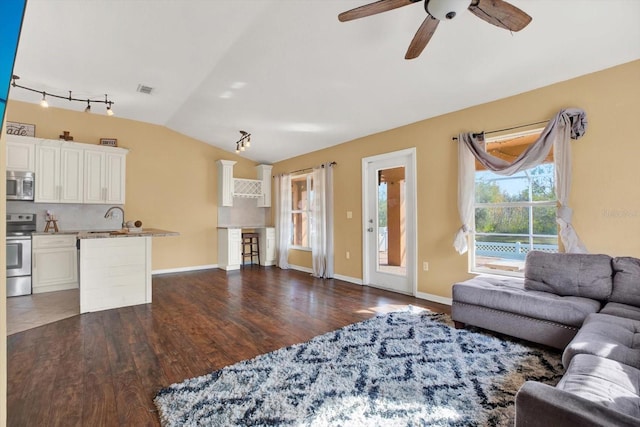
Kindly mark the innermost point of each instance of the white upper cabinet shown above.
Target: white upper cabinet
(21, 154)
(70, 172)
(59, 172)
(104, 177)
(47, 174)
(230, 187)
(264, 175)
(225, 182)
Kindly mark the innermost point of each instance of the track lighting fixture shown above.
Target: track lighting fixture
(45, 104)
(106, 101)
(244, 142)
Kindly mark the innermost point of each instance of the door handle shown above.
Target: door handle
(370, 229)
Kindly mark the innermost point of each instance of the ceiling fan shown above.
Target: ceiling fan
(496, 12)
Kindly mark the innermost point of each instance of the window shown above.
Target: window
(301, 188)
(513, 214)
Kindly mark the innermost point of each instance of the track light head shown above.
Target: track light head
(244, 142)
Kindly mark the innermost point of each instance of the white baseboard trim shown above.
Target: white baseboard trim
(184, 269)
(434, 298)
(353, 280)
(301, 268)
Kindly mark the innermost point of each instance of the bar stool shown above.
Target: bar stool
(250, 247)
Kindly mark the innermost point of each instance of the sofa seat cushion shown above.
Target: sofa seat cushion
(621, 310)
(607, 336)
(626, 280)
(580, 275)
(510, 296)
(603, 381)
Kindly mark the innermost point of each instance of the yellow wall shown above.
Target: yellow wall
(605, 196)
(171, 178)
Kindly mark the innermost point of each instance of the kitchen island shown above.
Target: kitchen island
(115, 268)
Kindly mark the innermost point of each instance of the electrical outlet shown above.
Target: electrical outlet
(425, 266)
(348, 255)
(349, 214)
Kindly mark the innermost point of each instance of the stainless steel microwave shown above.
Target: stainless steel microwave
(20, 185)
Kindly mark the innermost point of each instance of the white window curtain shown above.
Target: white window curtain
(283, 219)
(570, 123)
(322, 221)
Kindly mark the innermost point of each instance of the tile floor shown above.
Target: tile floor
(31, 311)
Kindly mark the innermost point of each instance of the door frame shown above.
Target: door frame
(411, 220)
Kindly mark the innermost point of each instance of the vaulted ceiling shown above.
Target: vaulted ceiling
(294, 76)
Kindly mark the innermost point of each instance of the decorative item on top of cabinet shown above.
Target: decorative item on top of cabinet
(66, 136)
(20, 129)
(109, 142)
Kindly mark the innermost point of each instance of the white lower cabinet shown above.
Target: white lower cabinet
(54, 263)
(229, 248)
(114, 272)
(267, 246)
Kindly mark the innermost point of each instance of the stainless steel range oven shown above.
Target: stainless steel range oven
(19, 229)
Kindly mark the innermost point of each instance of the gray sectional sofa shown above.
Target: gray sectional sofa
(586, 305)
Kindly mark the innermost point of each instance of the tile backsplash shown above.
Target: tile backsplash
(243, 213)
(70, 217)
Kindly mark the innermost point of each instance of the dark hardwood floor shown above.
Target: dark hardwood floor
(104, 368)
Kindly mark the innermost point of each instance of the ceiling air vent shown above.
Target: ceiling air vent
(145, 89)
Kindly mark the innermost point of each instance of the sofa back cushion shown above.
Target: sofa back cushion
(580, 275)
(626, 281)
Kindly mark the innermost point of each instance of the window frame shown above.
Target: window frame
(309, 178)
(530, 205)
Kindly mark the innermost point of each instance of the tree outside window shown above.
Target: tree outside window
(513, 214)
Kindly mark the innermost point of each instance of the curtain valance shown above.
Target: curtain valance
(570, 123)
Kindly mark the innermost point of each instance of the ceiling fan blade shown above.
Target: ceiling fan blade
(373, 8)
(500, 13)
(422, 37)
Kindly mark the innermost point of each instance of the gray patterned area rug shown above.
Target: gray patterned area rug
(407, 368)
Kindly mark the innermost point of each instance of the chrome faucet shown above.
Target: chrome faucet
(108, 214)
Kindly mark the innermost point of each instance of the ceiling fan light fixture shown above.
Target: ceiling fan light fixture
(445, 10)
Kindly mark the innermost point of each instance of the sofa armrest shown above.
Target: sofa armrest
(542, 405)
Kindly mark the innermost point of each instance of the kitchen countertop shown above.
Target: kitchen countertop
(102, 234)
(245, 226)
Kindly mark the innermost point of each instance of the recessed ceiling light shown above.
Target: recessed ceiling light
(145, 89)
(304, 127)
